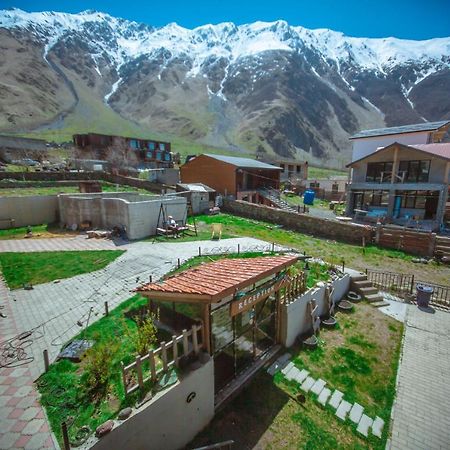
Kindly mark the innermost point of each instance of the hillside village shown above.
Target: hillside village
(161, 296)
(234, 295)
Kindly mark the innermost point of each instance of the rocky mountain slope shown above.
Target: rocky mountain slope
(267, 86)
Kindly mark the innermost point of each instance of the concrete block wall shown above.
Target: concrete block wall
(32, 210)
(330, 229)
(168, 421)
(294, 316)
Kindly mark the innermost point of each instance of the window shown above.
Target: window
(414, 171)
(158, 156)
(162, 146)
(151, 146)
(150, 155)
(134, 144)
(282, 166)
(416, 199)
(299, 169)
(379, 172)
(167, 156)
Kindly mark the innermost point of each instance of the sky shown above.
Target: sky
(406, 19)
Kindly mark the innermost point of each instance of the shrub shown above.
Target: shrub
(98, 367)
(145, 336)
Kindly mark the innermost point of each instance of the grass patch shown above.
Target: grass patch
(42, 267)
(317, 173)
(267, 414)
(64, 388)
(334, 252)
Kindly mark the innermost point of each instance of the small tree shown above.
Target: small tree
(145, 335)
(98, 367)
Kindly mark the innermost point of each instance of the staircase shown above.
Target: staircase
(365, 288)
(274, 197)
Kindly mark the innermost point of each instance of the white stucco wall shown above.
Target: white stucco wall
(32, 210)
(168, 421)
(364, 146)
(294, 316)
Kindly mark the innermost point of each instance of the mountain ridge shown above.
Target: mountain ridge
(265, 86)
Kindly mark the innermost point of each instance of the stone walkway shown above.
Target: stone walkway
(51, 311)
(343, 409)
(56, 244)
(421, 413)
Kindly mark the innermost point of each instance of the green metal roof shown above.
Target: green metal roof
(427, 126)
(245, 163)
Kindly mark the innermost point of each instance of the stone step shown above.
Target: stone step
(380, 304)
(292, 374)
(356, 413)
(343, 409)
(324, 396)
(368, 291)
(302, 375)
(374, 298)
(358, 276)
(336, 399)
(287, 368)
(364, 424)
(318, 386)
(279, 364)
(377, 427)
(307, 384)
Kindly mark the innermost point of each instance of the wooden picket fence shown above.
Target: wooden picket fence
(296, 287)
(167, 354)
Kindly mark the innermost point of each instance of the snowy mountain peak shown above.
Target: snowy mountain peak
(230, 41)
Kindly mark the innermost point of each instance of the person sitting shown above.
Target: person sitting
(172, 226)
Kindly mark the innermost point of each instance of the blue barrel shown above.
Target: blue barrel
(308, 197)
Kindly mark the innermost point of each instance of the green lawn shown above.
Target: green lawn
(360, 358)
(334, 252)
(65, 390)
(41, 267)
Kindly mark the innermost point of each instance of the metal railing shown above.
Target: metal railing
(405, 285)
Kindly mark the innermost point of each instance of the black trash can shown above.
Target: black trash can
(423, 295)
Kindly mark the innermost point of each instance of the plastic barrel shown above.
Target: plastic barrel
(308, 197)
(423, 295)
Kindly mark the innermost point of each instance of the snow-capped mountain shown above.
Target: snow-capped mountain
(263, 85)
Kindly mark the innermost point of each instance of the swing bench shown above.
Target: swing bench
(180, 229)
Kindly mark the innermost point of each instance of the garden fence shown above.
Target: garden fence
(405, 285)
(166, 356)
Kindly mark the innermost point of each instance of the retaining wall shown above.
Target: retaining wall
(295, 319)
(24, 211)
(331, 229)
(168, 421)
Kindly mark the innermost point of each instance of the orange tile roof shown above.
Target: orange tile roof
(212, 281)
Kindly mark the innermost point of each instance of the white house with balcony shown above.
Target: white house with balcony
(406, 184)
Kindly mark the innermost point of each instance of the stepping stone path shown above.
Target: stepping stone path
(344, 409)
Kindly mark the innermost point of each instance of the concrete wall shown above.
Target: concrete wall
(137, 213)
(32, 210)
(364, 146)
(294, 316)
(168, 422)
(331, 229)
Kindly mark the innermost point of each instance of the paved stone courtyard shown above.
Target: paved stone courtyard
(421, 416)
(421, 412)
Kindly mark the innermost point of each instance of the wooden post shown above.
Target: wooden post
(139, 372)
(150, 278)
(164, 356)
(179, 264)
(151, 360)
(412, 283)
(273, 247)
(432, 244)
(199, 251)
(185, 343)
(206, 329)
(46, 362)
(106, 309)
(195, 339)
(175, 350)
(124, 378)
(239, 249)
(65, 436)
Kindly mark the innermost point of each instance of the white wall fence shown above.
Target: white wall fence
(295, 319)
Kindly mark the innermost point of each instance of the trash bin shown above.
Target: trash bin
(308, 197)
(423, 294)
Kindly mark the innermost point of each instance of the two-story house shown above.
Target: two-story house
(407, 184)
